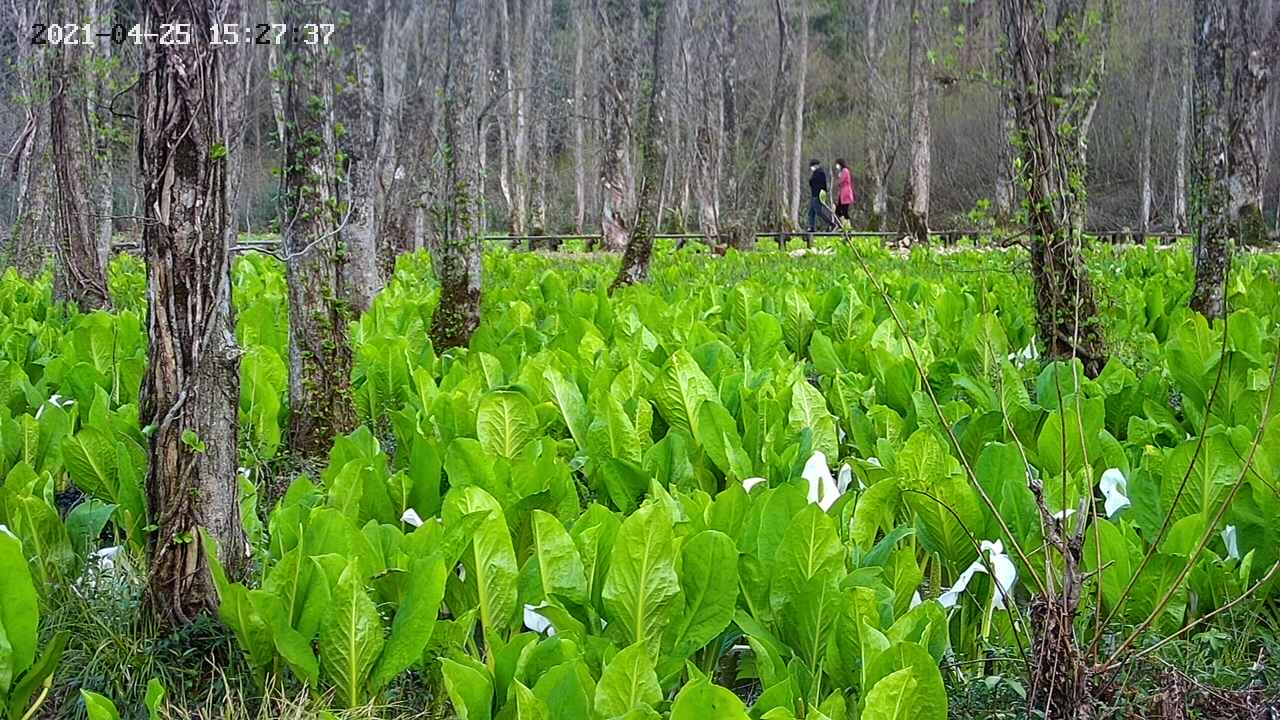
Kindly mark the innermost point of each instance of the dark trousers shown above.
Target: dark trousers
(816, 211)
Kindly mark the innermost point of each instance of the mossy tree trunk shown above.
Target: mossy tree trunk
(191, 391)
(458, 259)
(635, 260)
(1051, 61)
(317, 264)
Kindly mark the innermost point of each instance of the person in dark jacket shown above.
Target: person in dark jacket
(817, 185)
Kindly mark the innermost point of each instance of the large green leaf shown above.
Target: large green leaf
(492, 560)
(559, 563)
(641, 591)
(809, 410)
(628, 681)
(19, 607)
(505, 422)
(350, 638)
(470, 689)
(929, 699)
(414, 622)
(572, 407)
(709, 579)
(890, 699)
(702, 700)
(718, 432)
(678, 390)
(98, 707)
(90, 457)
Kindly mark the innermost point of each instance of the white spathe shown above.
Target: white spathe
(1232, 542)
(57, 401)
(823, 490)
(411, 517)
(844, 479)
(1003, 570)
(1114, 489)
(5, 529)
(536, 622)
(752, 482)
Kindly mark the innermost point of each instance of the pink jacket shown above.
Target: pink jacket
(844, 187)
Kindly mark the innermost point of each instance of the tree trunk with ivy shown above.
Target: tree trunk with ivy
(618, 208)
(458, 259)
(635, 261)
(1234, 60)
(80, 275)
(1052, 60)
(191, 391)
(320, 357)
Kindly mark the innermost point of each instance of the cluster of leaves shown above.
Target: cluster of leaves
(556, 517)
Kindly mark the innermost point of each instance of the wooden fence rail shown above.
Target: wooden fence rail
(948, 237)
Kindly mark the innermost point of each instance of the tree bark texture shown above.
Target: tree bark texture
(80, 275)
(191, 390)
(615, 19)
(745, 198)
(28, 246)
(1185, 72)
(1234, 59)
(635, 260)
(579, 119)
(915, 206)
(797, 121)
(1050, 62)
(458, 260)
(317, 266)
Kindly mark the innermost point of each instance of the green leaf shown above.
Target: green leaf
(641, 590)
(559, 564)
(98, 707)
(709, 579)
(470, 689)
(492, 560)
(628, 681)
(351, 638)
(90, 458)
(572, 407)
(678, 390)
(505, 422)
(702, 700)
(929, 699)
(528, 706)
(19, 606)
(155, 699)
(809, 410)
(718, 432)
(890, 699)
(414, 622)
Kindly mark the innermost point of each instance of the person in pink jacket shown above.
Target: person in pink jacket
(844, 190)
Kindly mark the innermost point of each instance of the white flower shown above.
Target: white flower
(1113, 487)
(752, 482)
(4, 529)
(1004, 572)
(915, 598)
(873, 460)
(822, 487)
(844, 478)
(410, 517)
(462, 573)
(1063, 514)
(55, 400)
(536, 622)
(1233, 546)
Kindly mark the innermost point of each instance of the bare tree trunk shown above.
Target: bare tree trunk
(191, 392)
(1051, 64)
(579, 121)
(635, 261)
(1184, 128)
(1144, 157)
(320, 400)
(99, 122)
(29, 244)
(797, 118)
(742, 217)
(80, 274)
(457, 262)
(885, 99)
(1005, 180)
(915, 206)
(615, 20)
